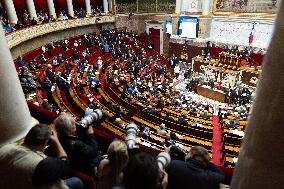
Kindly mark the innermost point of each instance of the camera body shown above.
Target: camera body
(96, 115)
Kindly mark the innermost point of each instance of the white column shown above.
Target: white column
(184, 5)
(11, 11)
(31, 9)
(70, 7)
(105, 6)
(15, 117)
(110, 5)
(178, 6)
(51, 8)
(206, 7)
(261, 159)
(88, 6)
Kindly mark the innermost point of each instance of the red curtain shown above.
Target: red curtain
(20, 6)
(60, 5)
(78, 4)
(41, 5)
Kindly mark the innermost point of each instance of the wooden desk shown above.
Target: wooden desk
(209, 93)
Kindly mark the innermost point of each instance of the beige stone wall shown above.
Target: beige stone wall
(137, 22)
(204, 27)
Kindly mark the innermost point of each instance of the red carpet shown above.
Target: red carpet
(217, 142)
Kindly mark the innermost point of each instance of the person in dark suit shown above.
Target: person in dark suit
(196, 172)
(182, 120)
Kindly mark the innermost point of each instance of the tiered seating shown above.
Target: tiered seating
(75, 102)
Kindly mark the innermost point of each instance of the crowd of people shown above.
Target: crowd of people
(237, 95)
(73, 148)
(43, 18)
(145, 81)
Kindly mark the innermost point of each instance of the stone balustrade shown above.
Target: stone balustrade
(20, 36)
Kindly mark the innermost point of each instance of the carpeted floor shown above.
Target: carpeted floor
(217, 142)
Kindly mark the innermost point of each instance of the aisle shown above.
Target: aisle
(217, 142)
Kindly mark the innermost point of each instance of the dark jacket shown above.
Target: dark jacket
(83, 154)
(192, 174)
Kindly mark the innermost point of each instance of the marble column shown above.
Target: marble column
(88, 7)
(261, 160)
(105, 6)
(178, 6)
(110, 5)
(70, 7)
(114, 6)
(51, 8)
(206, 7)
(15, 117)
(31, 9)
(184, 5)
(11, 11)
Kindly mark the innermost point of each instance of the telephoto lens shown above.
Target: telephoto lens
(96, 115)
(131, 132)
(163, 159)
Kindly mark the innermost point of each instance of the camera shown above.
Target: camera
(96, 115)
(131, 133)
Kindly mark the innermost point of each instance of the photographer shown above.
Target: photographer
(143, 170)
(26, 166)
(110, 168)
(82, 150)
(196, 172)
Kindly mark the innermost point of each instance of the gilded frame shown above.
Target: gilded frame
(242, 14)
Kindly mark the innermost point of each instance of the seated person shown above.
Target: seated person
(162, 131)
(26, 166)
(111, 167)
(19, 25)
(8, 28)
(35, 63)
(230, 124)
(182, 120)
(82, 150)
(205, 115)
(196, 172)
(89, 109)
(21, 61)
(42, 58)
(34, 21)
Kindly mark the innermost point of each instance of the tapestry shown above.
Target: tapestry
(166, 6)
(126, 6)
(246, 6)
(145, 6)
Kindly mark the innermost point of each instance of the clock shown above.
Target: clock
(193, 5)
